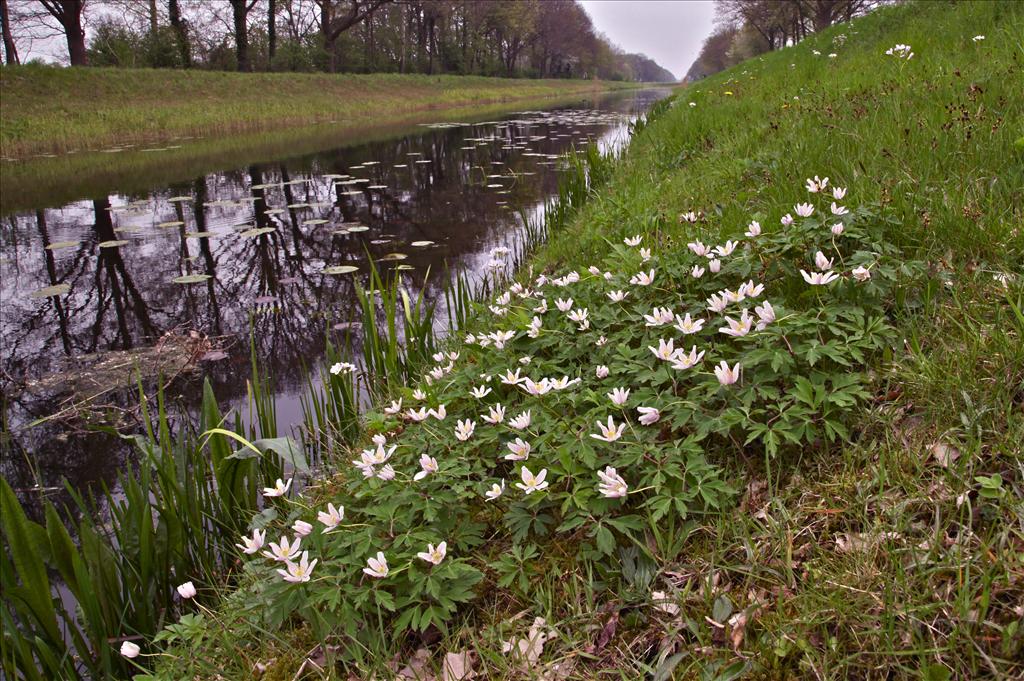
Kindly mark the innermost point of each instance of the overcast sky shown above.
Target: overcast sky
(668, 31)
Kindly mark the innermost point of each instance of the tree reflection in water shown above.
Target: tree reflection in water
(263, 234)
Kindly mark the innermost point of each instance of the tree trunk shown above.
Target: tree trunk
(180, 33)
(239, 13)
(72, 22)
(10, 51)
(152, 17)
(271, 32)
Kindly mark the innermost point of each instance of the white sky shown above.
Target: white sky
(668, 31)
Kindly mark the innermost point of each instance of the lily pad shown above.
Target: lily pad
(51, 291)
(128, 229)
(394, 256)
(341, 269)
(179, 199)
(358, 228)
(172, 223)
(57, 245)
(422, 244)
(317, 221)
(116, 243)
(273, 211)
(191, 279)
(405, 267)
(259, 231)
(199, 235)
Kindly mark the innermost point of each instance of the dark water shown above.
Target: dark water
(88, 292)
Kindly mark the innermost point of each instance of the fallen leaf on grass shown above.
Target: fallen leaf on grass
(851, 542)
(944, 454)
(664, 603)
(459, 666)
(529, 649)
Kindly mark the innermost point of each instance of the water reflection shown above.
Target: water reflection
(252, 248)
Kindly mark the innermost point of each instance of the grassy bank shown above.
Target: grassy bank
(847, 506)
(48, 110)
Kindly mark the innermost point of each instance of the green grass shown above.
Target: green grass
(46, 110)
(869, 557)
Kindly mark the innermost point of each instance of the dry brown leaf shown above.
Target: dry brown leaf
(663, 602)
(738, 628)
(416, 667)
(459, 666)
(529, 649)
(850, 542)
(944, 454)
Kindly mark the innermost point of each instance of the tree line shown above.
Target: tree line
(512, 38)
(747, 28)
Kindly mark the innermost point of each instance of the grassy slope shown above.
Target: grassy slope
(49, 110)
(932, 140)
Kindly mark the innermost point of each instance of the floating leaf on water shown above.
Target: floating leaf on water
(128, 229)
(351, 193)
(400, 165)
(298, 205)
(346, 182)
(421, 244)
(259, 231)
(333, 176)
(405, 267)
(317, 221)
(294, 182)
(199, 235)
(51, 291)
(395, 256)
(339, 231)
(190, 279)
(116, 243)
(172, 223)
(179, 199)
(377, 186)
(57, 245)
(341, 269)
(358, 228)
(273, 211)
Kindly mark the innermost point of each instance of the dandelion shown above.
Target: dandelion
(725, 375)
(464, 430)
(284, 550)
(786, 220)
(715, 265)
(618, 396)
(186, 590)
(130, 650)
(698, 248)
(665, 349)
(838, 210)
(251, 546)
(532, 483)
(601, 371)
(434, 555)
(819, 278)
(838, 229)
(697, 272)
(332, 518)
(861, 273)
(481, 392)
(609, 432)
(495, 415)
(648, 415)
(822, 262)
(298, 572)
(804, 210)
(611, 484)
(738, 328)
(428, 465)
(563, 305)
(301, 528)
(766, 314)
(633, 240)
(495, 491)
(378, 566)
(279, 489)
(617, 296)
(521, 422)
(520, 450)
(642, 278)
(688, 325)
(753, 229)
(659, 317)
(682, 361)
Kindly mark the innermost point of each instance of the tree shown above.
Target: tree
(10, 51)
(180, 27)
(68, 14)
(240, 16)
(336, 17)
